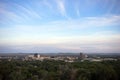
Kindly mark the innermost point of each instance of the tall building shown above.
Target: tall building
(82, 56)
(36, 55)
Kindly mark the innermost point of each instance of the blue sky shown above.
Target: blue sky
(90, 26)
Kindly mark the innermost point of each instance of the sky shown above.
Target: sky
(53, 26)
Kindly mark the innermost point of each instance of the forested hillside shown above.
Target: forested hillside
(59, 70)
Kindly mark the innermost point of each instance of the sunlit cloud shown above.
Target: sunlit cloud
(92, 43)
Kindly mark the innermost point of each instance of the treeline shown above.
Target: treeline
(59, 70)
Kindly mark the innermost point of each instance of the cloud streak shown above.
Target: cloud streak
(62, 8)
(22, 13)
(28, 11)
(89, 22)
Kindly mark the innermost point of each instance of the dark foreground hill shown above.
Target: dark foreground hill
(59, 70)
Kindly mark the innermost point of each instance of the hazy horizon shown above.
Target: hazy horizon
(53, 26)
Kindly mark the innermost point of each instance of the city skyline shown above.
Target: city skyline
(60, 26)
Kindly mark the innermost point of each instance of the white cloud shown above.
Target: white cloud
(61, 8)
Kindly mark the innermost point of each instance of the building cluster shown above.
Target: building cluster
(36, 57)
(43, 57)
(67, 58)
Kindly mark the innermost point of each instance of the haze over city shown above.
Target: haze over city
(52, 26)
